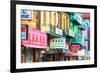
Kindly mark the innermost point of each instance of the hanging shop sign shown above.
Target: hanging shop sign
(58, 31)
(75, 46)
(36, 39)
(26, 14)
(24, 32)
(58, 43)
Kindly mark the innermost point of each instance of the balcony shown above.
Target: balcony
(76, 18)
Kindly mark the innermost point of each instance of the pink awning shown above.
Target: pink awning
(36, 39)
(70, 54)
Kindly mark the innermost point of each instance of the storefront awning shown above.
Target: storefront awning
(35, 46)
(70, 54)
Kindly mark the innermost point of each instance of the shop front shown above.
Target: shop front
(72, 53)
(54, 55)
(56, 46)
(69, 56)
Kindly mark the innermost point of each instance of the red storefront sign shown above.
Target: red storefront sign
(75, 47)
(36, 39)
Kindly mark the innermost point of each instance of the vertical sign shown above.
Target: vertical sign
(24, 32)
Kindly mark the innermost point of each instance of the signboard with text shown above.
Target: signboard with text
(58, 31)
(36, 39)
(26, 14)
(24, 32)
(76, 46)
(58, 43)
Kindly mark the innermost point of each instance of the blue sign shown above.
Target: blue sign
(26, 14)
(23, 35)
